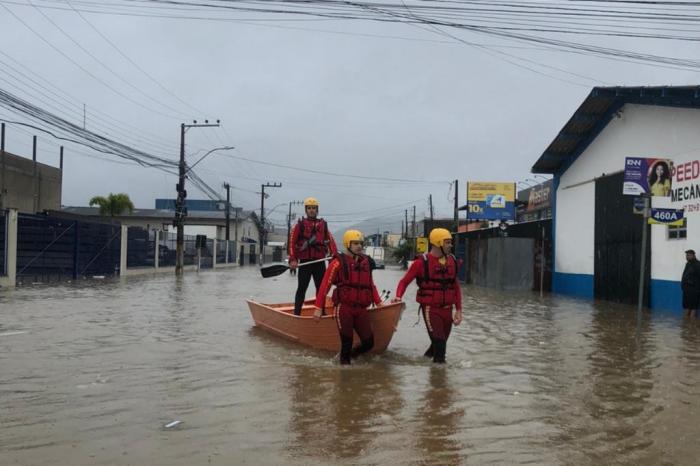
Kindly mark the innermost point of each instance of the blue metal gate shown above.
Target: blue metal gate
(54, 248)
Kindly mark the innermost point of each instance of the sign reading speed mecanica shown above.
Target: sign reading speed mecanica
(491, 201)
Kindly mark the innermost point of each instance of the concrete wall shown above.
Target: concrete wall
(640, 131)
(30, 191)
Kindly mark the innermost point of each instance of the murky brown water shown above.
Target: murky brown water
(89, 374)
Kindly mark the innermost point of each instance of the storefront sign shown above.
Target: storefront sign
(647, 176)
(666, 217)
(540, 197)
(491, 201)
(686, 186)
(638, 206)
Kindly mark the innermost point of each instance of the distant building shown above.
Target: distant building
(243, 225)
(27, 185)
(203, 205)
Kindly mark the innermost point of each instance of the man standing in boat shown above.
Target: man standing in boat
(438, 291)
(351, 273)
(310, 240)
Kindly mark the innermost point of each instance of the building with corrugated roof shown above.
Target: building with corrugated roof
(597, 235)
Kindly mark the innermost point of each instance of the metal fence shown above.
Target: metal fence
(167, 250)
(221, 252)
(207, 255)
(3, 242)
(232, 252)
(222, 256)
(140, 248)
(54, 248)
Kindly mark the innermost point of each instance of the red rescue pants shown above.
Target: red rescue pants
(438, 321)
(349, 319)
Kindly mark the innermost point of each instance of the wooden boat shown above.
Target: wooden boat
(280, 320)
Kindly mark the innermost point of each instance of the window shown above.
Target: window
(678, 232)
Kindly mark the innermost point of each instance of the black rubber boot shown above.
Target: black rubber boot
(440, 350)
(365, 346)
(431, 349)
(345, 350)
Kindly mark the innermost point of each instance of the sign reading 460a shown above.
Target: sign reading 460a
(666, 217)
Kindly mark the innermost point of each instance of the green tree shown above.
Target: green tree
(403, 253)
(114, 204)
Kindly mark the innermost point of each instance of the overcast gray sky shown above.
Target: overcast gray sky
(327, 95)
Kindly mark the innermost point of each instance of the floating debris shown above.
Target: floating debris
(172, 424)
(9, 334)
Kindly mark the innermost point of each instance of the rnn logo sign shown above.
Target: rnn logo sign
(634, 162)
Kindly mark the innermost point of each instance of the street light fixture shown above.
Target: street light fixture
(205, 155)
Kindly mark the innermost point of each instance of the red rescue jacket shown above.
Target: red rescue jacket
(436, 285)
(353, 282)
(311, 240)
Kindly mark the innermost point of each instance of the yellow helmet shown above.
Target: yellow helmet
(438, 236)
(352, 235)
(310, 201)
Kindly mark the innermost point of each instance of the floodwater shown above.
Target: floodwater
(91, 373)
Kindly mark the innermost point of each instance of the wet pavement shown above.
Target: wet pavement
(91, 373)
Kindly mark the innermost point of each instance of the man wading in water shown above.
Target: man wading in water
(690, 284)
(310, 241)
(351, 273)
(438, 291)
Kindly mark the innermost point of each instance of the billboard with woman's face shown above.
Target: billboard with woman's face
(647, 176)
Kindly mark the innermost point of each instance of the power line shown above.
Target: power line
(127, 58)
(322, 172)
(86, 71)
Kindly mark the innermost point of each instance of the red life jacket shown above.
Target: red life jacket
(353, 282)
(436, 286)
(307, 248)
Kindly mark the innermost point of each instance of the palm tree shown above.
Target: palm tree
(114, 204)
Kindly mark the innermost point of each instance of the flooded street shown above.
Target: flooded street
(91, 373)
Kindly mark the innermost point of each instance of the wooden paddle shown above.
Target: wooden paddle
(279, 269)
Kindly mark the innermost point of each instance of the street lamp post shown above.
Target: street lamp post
(180, 210)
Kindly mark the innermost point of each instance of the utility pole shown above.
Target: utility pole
(180, 209)
(289, 223)
(456, 208)
(263, 233)
(413, 232)
(60, 194)
(35, 183)
(3, 189)
(430, 200)
(406, 215)
(227, 187)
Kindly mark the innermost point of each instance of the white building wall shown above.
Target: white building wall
(574, 231)
(208, 230)
(639, 131)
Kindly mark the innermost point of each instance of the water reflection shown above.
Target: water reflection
(621, 381)
(438, 420)
(339, 412)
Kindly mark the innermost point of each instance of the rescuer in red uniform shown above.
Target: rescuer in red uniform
(310, 240)
(438, 291)
(354, 292)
